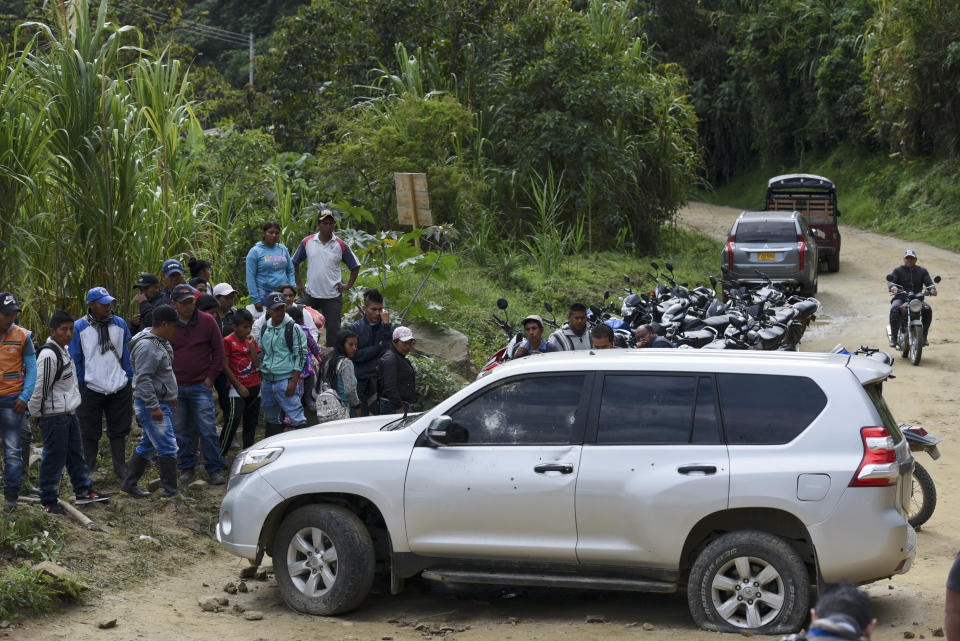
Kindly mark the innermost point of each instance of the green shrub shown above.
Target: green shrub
(435, 381)
(30, 537)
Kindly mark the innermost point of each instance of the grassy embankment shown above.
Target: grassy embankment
(913, 200)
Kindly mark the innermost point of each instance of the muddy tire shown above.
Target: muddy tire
(923, 498)
(749, 581)
(323, 560)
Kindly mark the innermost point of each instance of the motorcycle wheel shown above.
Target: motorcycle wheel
(923, 497)
(903, 341)
(916, 344)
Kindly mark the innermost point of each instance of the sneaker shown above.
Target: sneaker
(52, 508)
(218, 478)
(186, 476)
(91, 497)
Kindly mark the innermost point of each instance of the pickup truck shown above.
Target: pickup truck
(815, 197)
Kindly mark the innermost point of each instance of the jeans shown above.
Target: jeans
(275, 399)
(11, 425)
(195, 418)
(158, 436)
(62, 447)
(331, 309)
(247, 409)
(367, 393)
(386, 407)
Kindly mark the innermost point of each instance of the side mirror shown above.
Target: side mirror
(889, 278)
(669, 267)
(502, 303)
(937, 279)
(606, 295)
(547, 306)
(443, 431)
(626, 278)
(655, 266)
(713, 281)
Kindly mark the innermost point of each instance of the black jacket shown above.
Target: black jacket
(396, 378)
(911, 280)
(373, 341)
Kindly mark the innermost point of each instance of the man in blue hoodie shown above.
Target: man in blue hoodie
(374, 335)
(99, 349)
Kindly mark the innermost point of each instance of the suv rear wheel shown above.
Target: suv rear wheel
(749, 580)
(323, 560)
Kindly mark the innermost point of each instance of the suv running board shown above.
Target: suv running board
(549, 580)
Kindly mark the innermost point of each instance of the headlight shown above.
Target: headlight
(250, 460)
(916, 305)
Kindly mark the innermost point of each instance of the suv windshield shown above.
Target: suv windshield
(766, 231)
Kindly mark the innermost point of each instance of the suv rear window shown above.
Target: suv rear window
(873, 391)
(763, 409)
(757, 231)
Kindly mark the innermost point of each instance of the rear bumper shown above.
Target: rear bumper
(751, 277)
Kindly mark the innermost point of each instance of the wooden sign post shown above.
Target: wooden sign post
(413, 201)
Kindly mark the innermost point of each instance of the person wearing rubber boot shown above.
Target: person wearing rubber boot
(99, 350)
(155, 400)
(18, 376)
(198, 347)
(54, 403)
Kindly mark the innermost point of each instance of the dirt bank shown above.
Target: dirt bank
(855, 304)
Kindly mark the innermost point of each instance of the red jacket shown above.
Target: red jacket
(197, 350)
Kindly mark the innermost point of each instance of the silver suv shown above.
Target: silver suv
(747, 479)
(778, 245)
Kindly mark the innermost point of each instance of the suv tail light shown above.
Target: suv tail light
(731, 239)
(802, 246)
(878, 467)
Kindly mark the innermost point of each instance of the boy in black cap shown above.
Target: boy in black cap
(147, 299)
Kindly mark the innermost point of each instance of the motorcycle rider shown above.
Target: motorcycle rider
(573, 335)
(908, 278)
(646, 337)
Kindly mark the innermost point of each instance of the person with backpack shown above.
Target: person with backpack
(283, 349)
(337, 373)
(241, 360)
(324, 286)
(296, 312)
(374, 332)
(99, 350)
(18, 377)
(397, 380)
(198, 359)
(54, 403)
(155, 397)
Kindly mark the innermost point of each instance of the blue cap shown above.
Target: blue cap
(99, 295)
(910, 252)
(172, 266)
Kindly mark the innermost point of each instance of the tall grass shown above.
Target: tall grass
(92, 162)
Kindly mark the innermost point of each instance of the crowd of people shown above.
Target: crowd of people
(186, 345)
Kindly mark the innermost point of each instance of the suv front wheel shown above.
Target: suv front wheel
(323, 560)
(749, 580)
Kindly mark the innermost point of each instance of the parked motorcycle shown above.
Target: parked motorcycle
(909, 337)
(923, 498)
(514, 339)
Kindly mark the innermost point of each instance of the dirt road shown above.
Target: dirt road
(855, 304)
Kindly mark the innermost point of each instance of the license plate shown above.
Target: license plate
(767, 256)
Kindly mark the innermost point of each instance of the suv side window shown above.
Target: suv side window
(760, 409)
(540, 410)
(643, 409)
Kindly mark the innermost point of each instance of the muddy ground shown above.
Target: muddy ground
(855, 306)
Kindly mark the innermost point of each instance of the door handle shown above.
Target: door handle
(563, 468)
(689, 469)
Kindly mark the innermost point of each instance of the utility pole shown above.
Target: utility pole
(251, 58)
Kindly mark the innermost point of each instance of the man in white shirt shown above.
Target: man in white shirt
(324, 285)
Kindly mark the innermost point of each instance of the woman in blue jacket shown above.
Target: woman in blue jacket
(268, 265)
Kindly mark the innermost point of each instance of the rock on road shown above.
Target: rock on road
(855, 306)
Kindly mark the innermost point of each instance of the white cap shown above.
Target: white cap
(402, 334)
(222, 289)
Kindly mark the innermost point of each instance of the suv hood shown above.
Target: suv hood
(333, 428)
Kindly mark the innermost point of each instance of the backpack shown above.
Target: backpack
(59, 373)
(329, 405)
(287, 332)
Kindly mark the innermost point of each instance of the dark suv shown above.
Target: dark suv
(816, 198)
